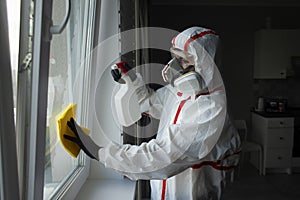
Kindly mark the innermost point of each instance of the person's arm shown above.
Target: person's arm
(150, 102)
(153, 101)
(182, 146)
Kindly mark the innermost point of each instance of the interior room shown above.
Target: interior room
(62, 55)
(238, 24)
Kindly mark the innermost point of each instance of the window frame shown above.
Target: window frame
(35, 107)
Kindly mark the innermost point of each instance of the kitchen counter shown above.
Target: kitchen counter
(273, 114)
(274, 132)
(291, 112)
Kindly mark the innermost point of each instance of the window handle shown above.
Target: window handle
(26, 63)
(57, 29)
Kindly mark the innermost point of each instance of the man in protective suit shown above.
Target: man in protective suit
(196, 143)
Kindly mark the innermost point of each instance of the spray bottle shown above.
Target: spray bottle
(126, 100)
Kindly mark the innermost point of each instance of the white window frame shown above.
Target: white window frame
(34, 165)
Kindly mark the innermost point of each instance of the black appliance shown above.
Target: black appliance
(274, 105)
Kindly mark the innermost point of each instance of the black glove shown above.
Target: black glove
(122, 68)
(82, 140)
(116, 74)
(144, 121)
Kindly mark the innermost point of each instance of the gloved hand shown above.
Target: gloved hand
(120, 69)
(144, 121)
(116, 74)
(83, 140)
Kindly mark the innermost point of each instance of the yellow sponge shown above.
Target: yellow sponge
(62, 128)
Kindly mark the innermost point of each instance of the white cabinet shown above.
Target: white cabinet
(275, 134)
(273, 49)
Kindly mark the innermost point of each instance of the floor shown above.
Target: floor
(106, 189)
(248, 185)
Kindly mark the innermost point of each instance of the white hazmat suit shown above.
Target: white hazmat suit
(196, 142)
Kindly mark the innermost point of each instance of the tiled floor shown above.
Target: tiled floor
(250, 186)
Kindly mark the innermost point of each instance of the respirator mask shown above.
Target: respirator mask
(180, 72)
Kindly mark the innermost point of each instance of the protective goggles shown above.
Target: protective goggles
(173, 70)
(184, 56)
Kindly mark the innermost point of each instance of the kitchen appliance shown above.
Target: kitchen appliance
(260, 104)
(275, 105)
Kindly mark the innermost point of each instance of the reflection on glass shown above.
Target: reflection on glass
(57, 162)
(66, 61)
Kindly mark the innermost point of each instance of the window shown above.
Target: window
(68, 67)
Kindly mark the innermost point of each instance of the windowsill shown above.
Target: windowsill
(49, 188)
(107, 189)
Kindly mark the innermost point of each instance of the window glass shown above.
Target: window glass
(66, 73)
(65, 84)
